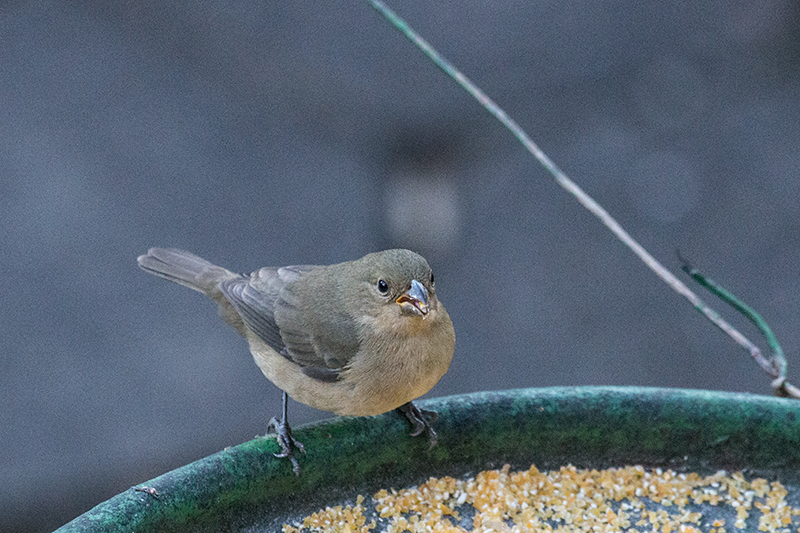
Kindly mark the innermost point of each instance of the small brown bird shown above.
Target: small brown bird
(357, 338)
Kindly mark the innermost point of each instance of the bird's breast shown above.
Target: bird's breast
(395, 367)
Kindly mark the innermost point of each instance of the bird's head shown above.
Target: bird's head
(398, 283)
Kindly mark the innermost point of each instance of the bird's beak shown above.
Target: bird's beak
(415, 300)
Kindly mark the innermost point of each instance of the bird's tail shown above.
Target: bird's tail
(185, 268)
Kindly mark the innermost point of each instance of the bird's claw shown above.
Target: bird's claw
(421, 420)
(287, 442)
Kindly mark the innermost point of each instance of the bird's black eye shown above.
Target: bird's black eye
(383, 287)
(431, 279)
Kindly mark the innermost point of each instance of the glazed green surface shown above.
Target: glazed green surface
(247, 488)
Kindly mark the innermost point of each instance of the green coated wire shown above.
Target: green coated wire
(777, 365)
(731, 299)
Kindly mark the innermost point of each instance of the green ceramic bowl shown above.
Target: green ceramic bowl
(245, 488)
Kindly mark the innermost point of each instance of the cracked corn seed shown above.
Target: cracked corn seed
(631, 499)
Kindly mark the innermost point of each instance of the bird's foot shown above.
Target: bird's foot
(286, 441)
(421, 420)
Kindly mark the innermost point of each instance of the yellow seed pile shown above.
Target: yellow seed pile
(567, 500)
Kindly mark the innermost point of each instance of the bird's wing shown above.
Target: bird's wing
(256, 309)
(276, 314)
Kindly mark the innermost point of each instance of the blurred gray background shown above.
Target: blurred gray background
(273, 133)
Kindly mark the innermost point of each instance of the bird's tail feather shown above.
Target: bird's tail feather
(184, 268)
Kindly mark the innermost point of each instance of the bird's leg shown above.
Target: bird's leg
(287, 443)
(421, 420)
